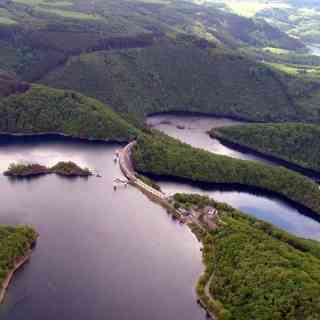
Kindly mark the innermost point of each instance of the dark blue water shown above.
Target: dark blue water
(101, 254)
(269, 209)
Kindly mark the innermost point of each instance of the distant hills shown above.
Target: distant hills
(141, 57)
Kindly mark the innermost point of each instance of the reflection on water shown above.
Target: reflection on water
(193, 130)
(101, 254)
(194, 133)
(272, 210)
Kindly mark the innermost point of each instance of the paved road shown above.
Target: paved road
(128, 170)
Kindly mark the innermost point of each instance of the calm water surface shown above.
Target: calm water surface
(194, 133)
(101, 254)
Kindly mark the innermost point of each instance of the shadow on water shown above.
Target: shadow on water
(224, 187)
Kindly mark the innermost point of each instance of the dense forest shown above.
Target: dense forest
(149, 56)
(164, 156)
(256, 270)
(15, 242)
(42, 110)
(293, 142)
(132, 56)
(154, 79)
(63, 168)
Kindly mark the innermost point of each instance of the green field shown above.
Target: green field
(297, 70)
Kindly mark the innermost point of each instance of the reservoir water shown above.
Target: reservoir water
(192, 129)
(105, 254)
(101, 254)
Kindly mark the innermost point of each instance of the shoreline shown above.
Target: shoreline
(203, 114)
(18, 264)
(310, 173)
(303, 209)
(59, 135)
(161, 198)
(204, 298)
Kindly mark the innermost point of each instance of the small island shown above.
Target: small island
(62, 168)
(70, 169)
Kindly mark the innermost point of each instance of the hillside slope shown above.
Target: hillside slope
(37, 36)
(177, 75)
(164, 156)
(42, 109)
(296, 143)
(256, 271)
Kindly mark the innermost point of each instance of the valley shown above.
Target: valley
(210, 109)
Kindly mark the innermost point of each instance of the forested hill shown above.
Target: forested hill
(132, 56)
(164, 156)
(296, 143)
(37, 36)
(42, 110)
(177, 75)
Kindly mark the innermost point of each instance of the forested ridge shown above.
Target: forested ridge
(217, 81)
(294, 142)
(255, 270)
(45, 110)
(160, 155)
(132, 55)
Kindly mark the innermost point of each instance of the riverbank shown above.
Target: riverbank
(163, 156)
(17, 265)
(294, 146)
(315, 175)
(15, 251)
(127, 169)
(212, 286)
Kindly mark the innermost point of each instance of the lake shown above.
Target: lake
(101, 254)
(273, 210)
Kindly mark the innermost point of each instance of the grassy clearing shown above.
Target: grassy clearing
(296, 70)
(276, 50)
(68, 14)
(250, 8)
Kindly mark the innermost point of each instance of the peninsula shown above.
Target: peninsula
(15, 250)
